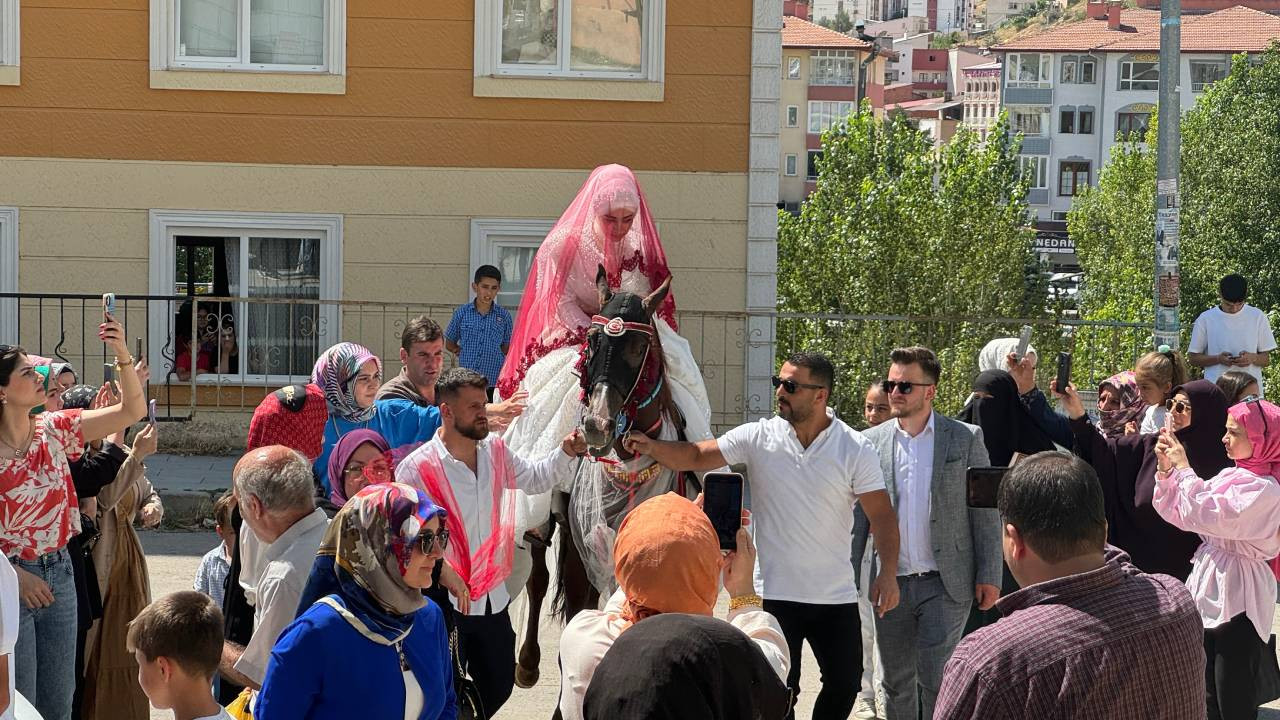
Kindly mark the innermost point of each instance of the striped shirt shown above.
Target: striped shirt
(481, 337)
(1110, 644)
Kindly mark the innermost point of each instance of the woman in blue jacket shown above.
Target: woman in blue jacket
(385, 541)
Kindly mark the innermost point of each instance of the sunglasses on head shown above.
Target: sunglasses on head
(1178, 406)
(791, 385)
(1266, 430)
(902, 386)
(427, 538)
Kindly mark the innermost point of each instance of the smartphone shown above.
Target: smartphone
(1064, 371)
(109, 305)
(722, 502)
(982, 486)
(151, 412)
(1024, 342)
(108, 373)
(137, 350)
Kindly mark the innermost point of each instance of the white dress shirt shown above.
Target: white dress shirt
(913, 479)
(474, 495)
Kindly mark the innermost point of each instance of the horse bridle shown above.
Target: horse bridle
(616, 328)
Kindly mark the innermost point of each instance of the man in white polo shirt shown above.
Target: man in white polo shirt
(807, 471)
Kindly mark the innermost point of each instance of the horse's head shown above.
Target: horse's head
(621, 363)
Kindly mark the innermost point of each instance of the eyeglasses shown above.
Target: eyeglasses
(1178, 406)
(902, 386)
(427, 538)
(791, 385)
(375, 470)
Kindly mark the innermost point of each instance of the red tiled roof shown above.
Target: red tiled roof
(797, 33)
(927, 59)
(1235, 29)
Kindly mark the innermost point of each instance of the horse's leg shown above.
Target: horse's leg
(536, 588)
(579, 593)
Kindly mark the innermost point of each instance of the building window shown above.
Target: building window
(1031, 122)
(831, 67)
(1069, 71)
(1077, 70)
(793, 116)
(1072, 177)
(823, 114)
(508, 245)
(1030, 70)
(1067, 121)
(1204, 74)
(1129, 123)
(9, 274)
(811, 171)
(1084, 122)
(251, 257)
(792, 165)
(1136, 75)
(298, 36)
(1088, 70)
(598, 39)
(1060, 215)
(9, 42)
(793, 68)
(1036, 169)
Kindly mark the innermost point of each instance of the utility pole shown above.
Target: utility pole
(1168, 199)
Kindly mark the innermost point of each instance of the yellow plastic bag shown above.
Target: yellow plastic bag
(239, 708)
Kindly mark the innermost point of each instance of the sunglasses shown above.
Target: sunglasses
(1177, 406)
(427, 538)
(373, 470)
(902, 386)
(791, 385)
(1266, 430)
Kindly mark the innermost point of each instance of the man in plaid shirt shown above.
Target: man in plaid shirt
(480, 331)
(1089, 636)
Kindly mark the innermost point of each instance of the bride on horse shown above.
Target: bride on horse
(607, 225)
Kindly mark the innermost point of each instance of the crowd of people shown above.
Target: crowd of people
(378, 526)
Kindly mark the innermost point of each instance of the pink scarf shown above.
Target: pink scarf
(491, 563)
(1261, 422)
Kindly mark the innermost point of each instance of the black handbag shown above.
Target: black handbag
(468, 695)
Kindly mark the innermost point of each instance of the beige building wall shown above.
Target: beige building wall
(793, 140)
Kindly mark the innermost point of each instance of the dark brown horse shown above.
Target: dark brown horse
(623, 390)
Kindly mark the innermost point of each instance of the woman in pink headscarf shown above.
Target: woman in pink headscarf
(608, 224)
(1237, 513)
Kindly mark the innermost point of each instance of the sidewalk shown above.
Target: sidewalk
(188, 484)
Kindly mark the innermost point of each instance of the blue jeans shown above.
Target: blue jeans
(45, 655)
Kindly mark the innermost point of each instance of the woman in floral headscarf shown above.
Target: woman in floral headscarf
(384, 542)
(1237, 514)
(350, 375)
(1119, 403)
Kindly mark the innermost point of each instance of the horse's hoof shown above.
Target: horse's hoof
(526, 678)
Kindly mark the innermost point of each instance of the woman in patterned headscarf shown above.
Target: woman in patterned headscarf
(384, 542)
(350, 375)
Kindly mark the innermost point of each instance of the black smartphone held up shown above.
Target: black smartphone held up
(722, 502)
(1064, 371)
(137, 352)
(982, 485)
(108, 373)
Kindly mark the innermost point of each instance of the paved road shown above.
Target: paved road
(174, 556)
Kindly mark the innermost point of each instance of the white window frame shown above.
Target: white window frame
(817, 55)
(793, 116)
(1043, 112)
(484, 247)
(793, 67)
(1041, 179)
(1191, 73)
(488, 46)
(165, 225)
(824, 120)
(791, 165)
(1093, 71)
(10, 42)
(1013, 64)
(1126, 75)
(9, 274)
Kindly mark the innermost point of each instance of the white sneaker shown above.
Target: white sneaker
(864, 709)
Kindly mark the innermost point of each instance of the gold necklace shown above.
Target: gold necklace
(26, 443)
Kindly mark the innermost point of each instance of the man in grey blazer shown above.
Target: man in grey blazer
(949, 554)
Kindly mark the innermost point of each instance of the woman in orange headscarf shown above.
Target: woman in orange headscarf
(667, 560)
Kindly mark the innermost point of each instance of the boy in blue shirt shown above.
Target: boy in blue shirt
(480, 331)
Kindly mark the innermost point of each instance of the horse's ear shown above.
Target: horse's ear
(602, 286)
(654, 301)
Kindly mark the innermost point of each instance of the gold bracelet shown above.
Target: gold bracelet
(123, 363)
(744, 600)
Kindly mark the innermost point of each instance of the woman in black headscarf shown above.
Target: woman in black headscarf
(1126, 467)
(1007, 427)
(674, 666)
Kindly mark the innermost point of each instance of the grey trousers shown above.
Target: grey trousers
(916, 639)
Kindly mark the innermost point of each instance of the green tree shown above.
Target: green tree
(841, 23)
(1230, 206)
(897, 227)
